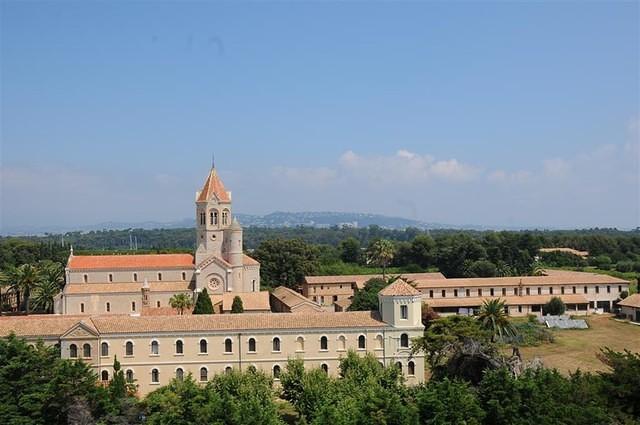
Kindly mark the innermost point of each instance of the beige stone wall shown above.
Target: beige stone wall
(127, 276)
(97, 303)
(326, 294)
(384, 343)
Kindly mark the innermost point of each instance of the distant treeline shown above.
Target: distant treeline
(513, 248)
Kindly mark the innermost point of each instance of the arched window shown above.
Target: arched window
(252, 345)
(179, 374)
(128, 348)
(73, 351)
(379, 341)
(81, 307)
(299, 343)
(133, 306)
(85, 278)
(276, 344)
(155, 348)
(155, 376)
(411, 368)
(342, 342)
(324, 367)
(159, 276)
(228, 345)
(324, 343)
(228, 370)
(104, 375)
(399, 366)
(211, 217)
(108, 307)
(276, 372)
(184, 275)
(110, 277)
(86, 351)
(129, 375)
(204, 374)
(203, 346)
(179, 347)
(135, 277)
(404, 341)
(104, 349)
(362, 342)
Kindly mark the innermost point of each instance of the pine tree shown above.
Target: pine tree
(237, 306)
(203, 303)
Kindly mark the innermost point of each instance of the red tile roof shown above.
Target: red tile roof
(400, 288)
(248, 261)
(213, 186)
(631, 301)
(147, 261)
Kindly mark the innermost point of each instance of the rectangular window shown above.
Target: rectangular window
(322, 299)
(608, 289)
(528, 291)
(619, 288)
(504, 292)
(85, 278)
(491, 292)
(574, 289)
(404, 312)
(585, 289)
(479, 292)
(159, 276)
(597, 289)
(81, 307)
(539, 291)
(135, 277)
(430, 294)
(562, 290)
(519, 309)
(468, 292)
(335, 298)
(515, 291)
(133, 306)
(455, 292)
(551, 290)
(444, 293)
(110, 277)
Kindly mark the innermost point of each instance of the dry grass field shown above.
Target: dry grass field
(577, 348)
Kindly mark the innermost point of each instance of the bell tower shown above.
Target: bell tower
(213, 216)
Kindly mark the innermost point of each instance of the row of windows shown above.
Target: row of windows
(228, 345)
(213, 217)
(204, 372)
(492, 292)
(85, 277)
(107, 306)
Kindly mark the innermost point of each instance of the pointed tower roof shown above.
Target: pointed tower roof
(399, 288)
(213, 186)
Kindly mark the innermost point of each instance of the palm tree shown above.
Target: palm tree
(53, 272)
(181, 302)
(495, 319)
(381, 253)
(25, 278)
(4, 281)
(44, 294)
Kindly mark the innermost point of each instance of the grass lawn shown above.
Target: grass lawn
(577, 348)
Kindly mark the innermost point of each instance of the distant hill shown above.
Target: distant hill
(276, 219)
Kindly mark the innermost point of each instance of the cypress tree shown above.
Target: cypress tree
(203, 303)
(237, 306)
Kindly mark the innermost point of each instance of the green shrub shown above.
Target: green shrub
(554, 307)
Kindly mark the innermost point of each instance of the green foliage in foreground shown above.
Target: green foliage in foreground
(37, 387)
(203, 303)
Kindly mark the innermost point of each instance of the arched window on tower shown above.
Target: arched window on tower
(215, 217)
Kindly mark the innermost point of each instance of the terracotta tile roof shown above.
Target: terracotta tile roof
(235, 322)
(524, 300)
(360, 279)
(344, 303)
(399, 288)
(146, 261)
(162, 311)
(41, 325)
(631, 301)
(248, 261)
(132, 287)
(567, 250)
(291, 298)
(213, 186)
(553, 277)
(251, 301)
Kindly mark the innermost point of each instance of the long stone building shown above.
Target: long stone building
(582, 292)
(153, 350)
(103, 284)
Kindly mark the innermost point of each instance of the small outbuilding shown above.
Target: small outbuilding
(630, 307)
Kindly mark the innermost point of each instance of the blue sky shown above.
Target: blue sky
(506, 114)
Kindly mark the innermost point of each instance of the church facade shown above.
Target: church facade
(133, 284)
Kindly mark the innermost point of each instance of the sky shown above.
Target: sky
(500, 114)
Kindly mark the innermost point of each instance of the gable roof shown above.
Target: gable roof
(293, 299)
(399, 288)
(136, 262)
(631, 301)
(213, 186)
(251, 301)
